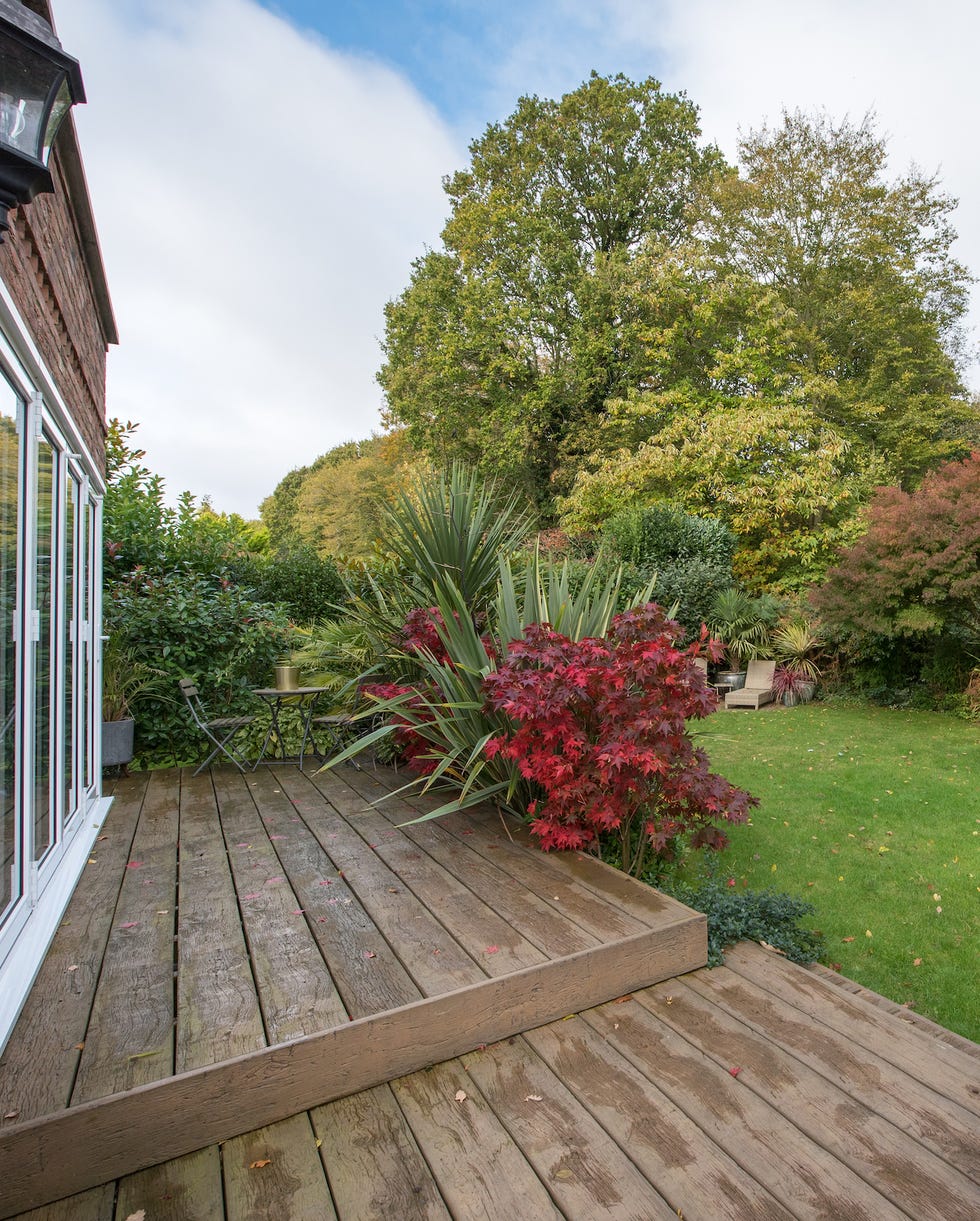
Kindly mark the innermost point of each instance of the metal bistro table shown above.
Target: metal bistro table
(277, 698)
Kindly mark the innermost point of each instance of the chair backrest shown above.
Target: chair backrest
(760, 674)
(188, 689)
(702, 664)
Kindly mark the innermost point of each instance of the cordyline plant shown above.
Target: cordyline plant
(600, 731)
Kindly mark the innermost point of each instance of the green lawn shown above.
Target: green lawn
(873, 816)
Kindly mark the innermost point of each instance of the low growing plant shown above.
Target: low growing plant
(749, 915)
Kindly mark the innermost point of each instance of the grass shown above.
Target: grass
(873, 816)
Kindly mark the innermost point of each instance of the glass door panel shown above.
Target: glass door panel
(11, 830)
(45, 706)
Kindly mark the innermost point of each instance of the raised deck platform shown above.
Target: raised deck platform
(267, 1000)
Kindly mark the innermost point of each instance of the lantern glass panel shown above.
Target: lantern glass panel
(62, 104)
(25, 87)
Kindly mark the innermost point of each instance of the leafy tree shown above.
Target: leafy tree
(873, 300)
(786, 485)
(142, 531)
(911, 585)
(506, 344)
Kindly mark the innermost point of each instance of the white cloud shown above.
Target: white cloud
(259, 197)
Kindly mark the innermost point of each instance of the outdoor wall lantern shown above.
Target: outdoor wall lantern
(39, 84)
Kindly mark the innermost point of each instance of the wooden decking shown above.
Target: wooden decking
(267, 1000)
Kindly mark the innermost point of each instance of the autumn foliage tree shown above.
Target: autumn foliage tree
(600, 729)
(914, 578)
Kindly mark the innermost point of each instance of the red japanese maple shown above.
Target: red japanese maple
(600, 728)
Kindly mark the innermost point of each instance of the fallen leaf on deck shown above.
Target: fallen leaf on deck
(735, 1071)
(256, 894)
(774, 948)
(621, 1000)
(460, 1095)
(143, 1055)
(370, 954)
(130, 924)
(73, 967)
(266, 1161)
(298, 911)
(79, 1046)
(139, 1215)
(532, 1098)
(134, 864)
(11, 1115)
(493, 949)
(101, 838)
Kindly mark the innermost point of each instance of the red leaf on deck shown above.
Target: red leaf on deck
(735, 1071)
(130, 924)
(266, 1161)
(370, 954)
(493, 949)
(134, 864)
(255, 895)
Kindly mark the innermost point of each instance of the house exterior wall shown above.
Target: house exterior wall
(56, 325)
(43, 265)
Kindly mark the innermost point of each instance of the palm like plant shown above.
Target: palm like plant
(447, 546)
(744, 624)
(797, 644)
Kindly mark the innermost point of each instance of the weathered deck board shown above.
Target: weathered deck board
(898, 1167)
(903, 1044)
(933, 1119)
(276, 1172)
(186, 1189)
(688, 1169)
(585, 1170)
(218, 1014)
(37, 1069)
(765, 1142)
(481, 1172)
(416, 955)
(295, 987)
(372, 1159)
(130, 1036)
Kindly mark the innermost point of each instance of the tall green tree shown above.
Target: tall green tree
(505, 346)
(861, 263)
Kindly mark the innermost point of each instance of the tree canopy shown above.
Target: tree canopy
(506, 345)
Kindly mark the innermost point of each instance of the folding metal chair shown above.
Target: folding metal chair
(219, 730)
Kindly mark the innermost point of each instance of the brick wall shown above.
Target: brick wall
(43, 264)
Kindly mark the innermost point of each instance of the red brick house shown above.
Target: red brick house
(56, 323)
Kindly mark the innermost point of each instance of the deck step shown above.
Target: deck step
(60, 1154)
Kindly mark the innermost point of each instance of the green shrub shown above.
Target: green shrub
(304, 584)
(662, 534)
(749, 915)
(184, 625)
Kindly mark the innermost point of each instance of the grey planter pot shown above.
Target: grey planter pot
(732, 678)
(117, 742)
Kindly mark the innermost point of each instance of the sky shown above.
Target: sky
(264, 173)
